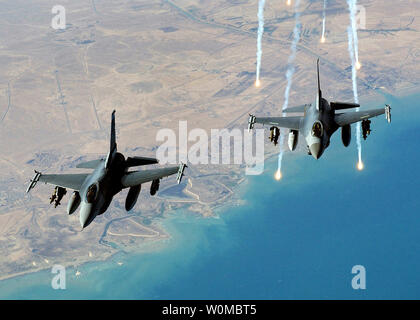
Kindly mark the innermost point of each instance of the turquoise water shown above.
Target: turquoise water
(294, 239)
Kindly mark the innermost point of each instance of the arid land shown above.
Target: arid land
(158, 63)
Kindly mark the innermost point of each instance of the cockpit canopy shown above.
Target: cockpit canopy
(317, 129)
(92, 193)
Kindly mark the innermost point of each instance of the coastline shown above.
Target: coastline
(220, 206)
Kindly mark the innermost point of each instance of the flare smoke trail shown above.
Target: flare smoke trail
(352, 8)
(354, 56)
(355, 92)
(290, 72)
(323, 21)
(261, 5)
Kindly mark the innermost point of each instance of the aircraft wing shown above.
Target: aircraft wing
(283, 122)
(140, 161)
(297, 109)
(68, 181)
(343, 119)
(135, 178)
(89, 164)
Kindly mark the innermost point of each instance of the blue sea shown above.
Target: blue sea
(294, 239)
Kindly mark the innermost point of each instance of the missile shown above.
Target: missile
(251, 122)
(388, 113)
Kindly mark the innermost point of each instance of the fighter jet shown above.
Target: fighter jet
(319, 121)
(95, 190)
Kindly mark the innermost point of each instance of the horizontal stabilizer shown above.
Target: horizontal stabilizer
(140, 161)
(93, 164)
(135, 178)
(343, 105)
(299, 109)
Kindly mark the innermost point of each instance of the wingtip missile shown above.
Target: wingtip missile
(388, 113)
(180, 174)
(33, 181)
(251, 122)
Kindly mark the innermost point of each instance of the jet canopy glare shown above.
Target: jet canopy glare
(317, 129)
(91, 193)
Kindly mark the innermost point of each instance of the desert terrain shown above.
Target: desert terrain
(158, 63)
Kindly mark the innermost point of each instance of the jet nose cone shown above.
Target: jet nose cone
(84, 216)
(315, 150)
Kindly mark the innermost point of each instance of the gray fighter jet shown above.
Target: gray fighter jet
(95, 190)
(319, 121)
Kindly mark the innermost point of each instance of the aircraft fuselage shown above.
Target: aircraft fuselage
(318, 127)
(99, 188)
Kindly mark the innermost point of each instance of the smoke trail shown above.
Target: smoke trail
(355, 92)
(352, 8)
(323, 21)
(261, 5)
(293, 48)
(289, 76)
(354, 56)
(353, 69)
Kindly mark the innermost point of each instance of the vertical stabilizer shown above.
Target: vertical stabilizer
(319, 93)
(113, 143)
(319, 82)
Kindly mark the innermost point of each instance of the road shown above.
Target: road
(62, 102)
(8, 102)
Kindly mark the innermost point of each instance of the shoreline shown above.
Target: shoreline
(219, 205)
(143, 248)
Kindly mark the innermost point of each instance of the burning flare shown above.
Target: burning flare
(258, 83)
(278, 175)
(322, 39)
(289, 2)
(289, 73)
(354, 57)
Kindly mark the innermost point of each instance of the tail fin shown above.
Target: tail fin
(113, 144)
(319, 93)
(319, 82)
